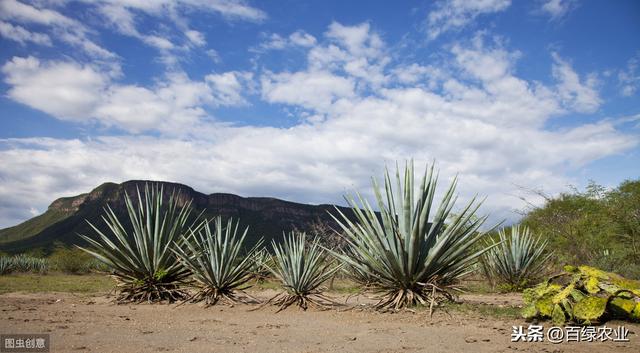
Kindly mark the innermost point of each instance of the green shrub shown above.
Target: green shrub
(70, 260)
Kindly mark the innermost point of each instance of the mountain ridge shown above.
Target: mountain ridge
(64, 219)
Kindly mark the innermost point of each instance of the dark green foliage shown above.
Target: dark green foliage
(597, 227)
(74, 261)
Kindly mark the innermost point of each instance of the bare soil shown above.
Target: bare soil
(90, 323)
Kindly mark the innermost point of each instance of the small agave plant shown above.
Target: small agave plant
(141, 256)
(517, 259)
(302, 267)
(220, 268)
(262, 261)
(409, 252)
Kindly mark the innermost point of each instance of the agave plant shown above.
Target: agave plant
(302, 267)
(25, 263)
(262, 261)
(6, 265)
(517, 259)
(217, 262)
(408, 252)
(141, 256)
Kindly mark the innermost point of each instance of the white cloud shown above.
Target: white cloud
(470, 111)
(64, 28)
(579, 95)
(557, 9)
(66, 90)
(229, 87)
(82, 93)
(195, 37)
(302, 39)
(415, 74)
(455, 14)
(629, 78)
(313, 90)
(277, 42)
(122, 14)
(22, 36)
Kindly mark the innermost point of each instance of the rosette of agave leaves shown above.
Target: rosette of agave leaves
(139, 248)
(217, 259)
(517, 259)
(409, 250)
(302, 267)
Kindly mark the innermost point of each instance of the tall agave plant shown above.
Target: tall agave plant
(408, 252)
(216, 259)
(517, 259)
(302, 267)
(141, 256)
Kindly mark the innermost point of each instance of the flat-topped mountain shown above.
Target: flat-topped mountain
(66, 217)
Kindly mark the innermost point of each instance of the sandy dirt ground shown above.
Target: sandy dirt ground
(96, 324)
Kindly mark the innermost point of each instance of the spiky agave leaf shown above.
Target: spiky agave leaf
(216, 259)
(409, 252)
(516, 259)
(140, 256)
(302, 267)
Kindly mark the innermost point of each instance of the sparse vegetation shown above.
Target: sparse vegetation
(55, 282)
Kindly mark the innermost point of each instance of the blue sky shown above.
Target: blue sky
(308, 100)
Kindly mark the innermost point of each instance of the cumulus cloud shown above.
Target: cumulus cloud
(450, 15)
(66, 90)
(314, 90)
(471, 112)
(70, 91)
